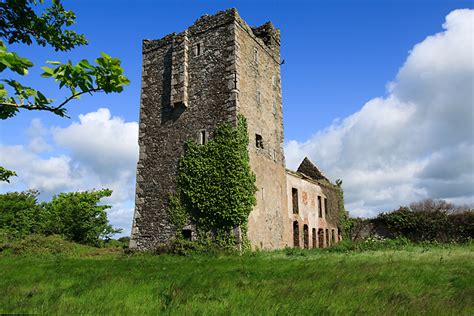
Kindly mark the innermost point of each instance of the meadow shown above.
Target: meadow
(411, 280)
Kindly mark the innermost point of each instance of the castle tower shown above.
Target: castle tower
(191, 83)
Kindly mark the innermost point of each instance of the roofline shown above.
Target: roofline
(302, 176)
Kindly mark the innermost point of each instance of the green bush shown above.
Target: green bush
(20, 213)
(42, 245)
(77, 216)
(432, 225)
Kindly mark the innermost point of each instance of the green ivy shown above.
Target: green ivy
(177, 214)
(216, 187)
(346, 223)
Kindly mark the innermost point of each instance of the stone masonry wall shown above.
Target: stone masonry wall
(184, 92)
(259, 100)
(191, 83)
(308, 191)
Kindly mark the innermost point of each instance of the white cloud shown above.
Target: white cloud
(416, 142)
(101, 152)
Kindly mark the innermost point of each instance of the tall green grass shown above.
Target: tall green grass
(430, 280)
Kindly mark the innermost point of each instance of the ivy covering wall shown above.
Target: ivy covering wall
(216, 187)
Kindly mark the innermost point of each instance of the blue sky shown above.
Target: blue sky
(340, 56)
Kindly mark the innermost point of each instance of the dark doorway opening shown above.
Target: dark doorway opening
(305, 236)
(313, 235)
(296, 235)
(187, 234)
(321, 237)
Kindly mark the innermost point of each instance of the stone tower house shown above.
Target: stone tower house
(194, 81)
(191, 83)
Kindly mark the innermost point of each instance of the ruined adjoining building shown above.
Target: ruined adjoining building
(191, 83)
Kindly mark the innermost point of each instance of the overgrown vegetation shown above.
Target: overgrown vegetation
(29, 21)
(77, 216)
(345, 222)
(425, 221)
(216, 188)
(413, 279)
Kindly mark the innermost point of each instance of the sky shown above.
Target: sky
(376, 93)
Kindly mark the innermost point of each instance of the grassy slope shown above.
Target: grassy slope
(414, 281)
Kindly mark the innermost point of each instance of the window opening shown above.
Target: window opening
(202, 137)
(258, 141)
(197, 49)
(320, 208)
(326, 207)
(294, 194)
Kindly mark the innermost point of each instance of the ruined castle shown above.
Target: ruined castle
(191, 83)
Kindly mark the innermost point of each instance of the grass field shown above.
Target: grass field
(415, 280)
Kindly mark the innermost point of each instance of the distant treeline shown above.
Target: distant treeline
(427, 220)
(77, 216)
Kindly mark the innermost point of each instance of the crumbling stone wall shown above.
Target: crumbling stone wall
(191, 83)
(260, 101)
(308, 190)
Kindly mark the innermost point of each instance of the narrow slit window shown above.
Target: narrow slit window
(255, 55)
(258, 141)
(202, 137)
(259, 97)
(197, 49)
(320, 207)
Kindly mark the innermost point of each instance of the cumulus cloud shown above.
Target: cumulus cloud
(98, 151)
(416, 142)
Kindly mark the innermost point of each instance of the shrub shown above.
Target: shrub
(20, 213)
(432, 221)
(78, 217)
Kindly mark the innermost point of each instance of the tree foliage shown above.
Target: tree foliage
(6, 174)
(19, 23)
(20, 213)
(78, 216)
(215, 181)
(429, 220)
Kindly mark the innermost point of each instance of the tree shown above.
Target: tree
(430, 205)
(20, 213)
(78, 217)
(20, 23)
(5, 174)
